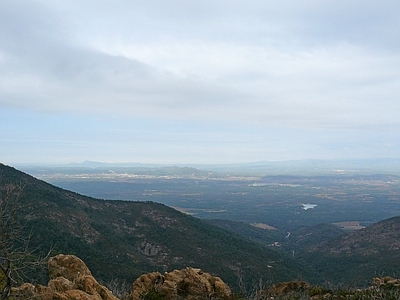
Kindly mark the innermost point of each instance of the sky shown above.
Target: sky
(198, 81)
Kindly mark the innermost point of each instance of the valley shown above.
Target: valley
(326, 229)
(276, 200)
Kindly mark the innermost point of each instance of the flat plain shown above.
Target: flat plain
(286, 202)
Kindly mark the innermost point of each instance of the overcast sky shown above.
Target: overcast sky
(185, 81)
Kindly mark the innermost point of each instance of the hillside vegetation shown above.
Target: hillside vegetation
(355, 257)
(123, 239)
(347, 259)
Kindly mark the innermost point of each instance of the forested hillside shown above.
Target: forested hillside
(123, 239)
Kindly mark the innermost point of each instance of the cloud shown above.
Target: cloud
(257, 66)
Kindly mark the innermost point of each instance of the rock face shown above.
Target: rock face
(283, 288)
(188, 283)
(377, 282)
(70, 279)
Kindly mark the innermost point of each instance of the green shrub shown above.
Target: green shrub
(316, 290)
(152, 294)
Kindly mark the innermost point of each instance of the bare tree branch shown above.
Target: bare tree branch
(15, 252)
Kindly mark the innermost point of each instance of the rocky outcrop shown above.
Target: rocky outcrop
(385, 281)
(283, 288)
(70, 279)
(188, 284)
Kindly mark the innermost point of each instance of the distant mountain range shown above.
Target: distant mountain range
(123, 239)
(261, 168)
(311, 167)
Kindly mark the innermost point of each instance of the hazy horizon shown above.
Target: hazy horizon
(198, 82)
(311, 167)
(183, 163)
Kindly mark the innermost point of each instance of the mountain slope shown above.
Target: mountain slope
(356, 257)
(350, 259)
(263, 236)
(121, 239)
(313, 235)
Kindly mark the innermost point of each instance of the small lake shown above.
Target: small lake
(308, 206)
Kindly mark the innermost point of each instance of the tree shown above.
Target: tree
(15, 253)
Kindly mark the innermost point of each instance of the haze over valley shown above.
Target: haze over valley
(263, 193)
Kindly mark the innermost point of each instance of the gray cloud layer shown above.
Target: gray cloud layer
(310, 65)
(317, 63)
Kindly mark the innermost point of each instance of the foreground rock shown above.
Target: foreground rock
(385, 281)
(70, 279)
(283, 288)
(381, 288)
(188, 284)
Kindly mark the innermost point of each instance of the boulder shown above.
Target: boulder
(283, 288)
(67, 266)
(70, 279)
(188, 283)
(387, 280)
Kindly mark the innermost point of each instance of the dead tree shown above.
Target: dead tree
(15, 253)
